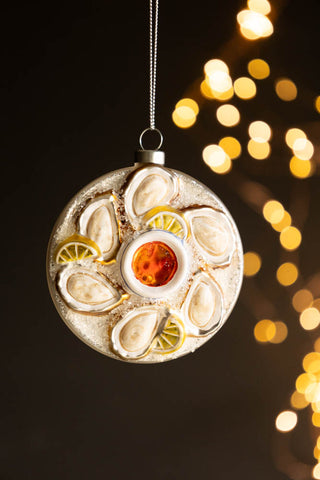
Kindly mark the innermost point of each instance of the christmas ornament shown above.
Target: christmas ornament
(145, 263)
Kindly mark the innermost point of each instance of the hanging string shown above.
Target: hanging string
(153, 49)
(153, 54)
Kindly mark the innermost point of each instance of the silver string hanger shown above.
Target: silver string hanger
(153, 54)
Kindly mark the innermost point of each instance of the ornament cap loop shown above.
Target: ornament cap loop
(150, 129)
(150, 156)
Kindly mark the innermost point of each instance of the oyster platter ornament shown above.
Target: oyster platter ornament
(145, 263)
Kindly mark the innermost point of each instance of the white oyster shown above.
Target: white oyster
(203, 306)
(87, 291)
(212, 233)
(133, 335)
(98, 222)
(149, 187)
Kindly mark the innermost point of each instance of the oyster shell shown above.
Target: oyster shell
(203, 306)
(212, 234)
(133, 335)
(87, 291)
(98, 222)
(149, 187)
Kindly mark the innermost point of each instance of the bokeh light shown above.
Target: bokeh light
(264, 331)
(298, 401)
(260, 131)
(316, 419)
(220, 82)
(231, 146)
(273, 211)
(254, 25)
(188, 102)
(245, 88)
(285, 222)
(281, 333)
(317, 103)
(184, 117)
(258, 150)
(287, 274)
(311, 362)
(252, 264)
(228, 115)
(213, 155)
(310, 318)
(304, 381)
(300, 168)
(316, 472)
(286, 421)
(215, 65)
(302, 299)
(260, 6)
(303, 149)
(217, 159)
(294, 134)
(286, 89)
(259, 69)
(290, 238)
(206, 90)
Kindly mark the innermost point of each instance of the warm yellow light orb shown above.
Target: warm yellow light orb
(317, 345)
(303, 149)
(285, 222)
(273, 211)
(223, 96)
(300, 168)
(310, 318)
(188, 102)
(259, 69)
(294, 134)
(286, 421)
(206, 90)
(316, 472)
(220, 82)
(215, 65)
(254, 25)
(252, 264)
(260, 6)
(287, 274)
(316, 453)
(260, 131)
(264, 331)
(290, 238)
(316, 419)
(298, 401)
(317, 103)
(228, 115)
(231, 146)
(245, 88)
(184, 117)
(224, 168)
(286, 89)
(304, 381)
(281, 333)
(258, 150)
(213, 155)
(302, 299)
(311, 362)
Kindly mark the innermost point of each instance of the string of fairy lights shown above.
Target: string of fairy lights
(218, 86)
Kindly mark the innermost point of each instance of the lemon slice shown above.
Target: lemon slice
(171, 338)
(76, 248)
(168, 219)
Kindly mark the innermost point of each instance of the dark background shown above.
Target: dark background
(75, 90)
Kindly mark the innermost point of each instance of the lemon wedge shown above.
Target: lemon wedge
(76, 248)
